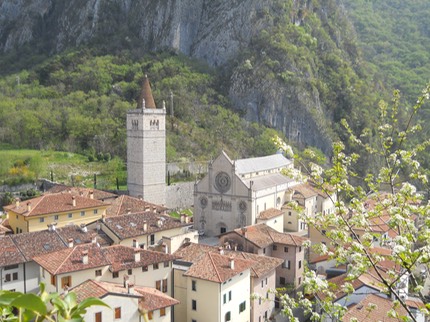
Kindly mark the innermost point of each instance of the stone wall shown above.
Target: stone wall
(180, 195)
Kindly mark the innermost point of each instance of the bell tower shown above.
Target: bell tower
(146, 148)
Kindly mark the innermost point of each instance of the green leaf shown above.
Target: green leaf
(70, 300)
(7, 297)
(91, 301)
(30, 302)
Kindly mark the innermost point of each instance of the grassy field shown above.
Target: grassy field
(21, 166)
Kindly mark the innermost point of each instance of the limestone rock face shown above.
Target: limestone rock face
(217, 31)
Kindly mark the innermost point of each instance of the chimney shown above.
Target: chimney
(85, 257)
(135, 244)
(221, 250)
(165, 248)
(159, 223)
(51, 227)
(84, 228)
(94, 239)
(231, 262)
(130, 288)
(126, 277)
(137, 255)
(28, 206)
(17, 202)
(73, 201)
(91, 194)
(147, 208)
(128, 211)
(70, 242)
(145, 226)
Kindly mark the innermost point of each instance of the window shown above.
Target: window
(264, 250)
(66, 281)
(115, 275)
(265, 315)
(82, 213)
(300, 264)
(229, 296)
(95, 211)
(15, 276)
(42, 219)
(300, 249)
(166, 264)
(165, 285)
(285, 249)
(228, 316)
(286, 264)
(163, 311)
(144, 268)
(70, 215)
(242, 307)
(53, 280)
(7, 278)
(266, 280)
(118, 313)
(275, 247)
(150, 313)
(194, 305)
(155, 266)
(152, 239)
(6, 268)
(262, 283)
(300, 280)
(289, 213)
(158, 285)
(224, 298)
(282, 280)
(130, 271)
(194, 285)
(98, 272)
(56, 217)
(98, 317)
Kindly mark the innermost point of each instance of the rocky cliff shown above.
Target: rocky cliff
(268, 80)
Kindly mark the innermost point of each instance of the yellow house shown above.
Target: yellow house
(59, 209)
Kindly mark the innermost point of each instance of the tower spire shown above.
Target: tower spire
(146, 94)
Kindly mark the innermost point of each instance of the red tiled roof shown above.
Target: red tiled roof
(303, 190)
(131, 225)
(262, 264)
(152, 299)
(270, 213)
(118, 257)
(9, 252)
(262, 236)
(363, 313)
(216, 268)
(53, 203)
(126, 204)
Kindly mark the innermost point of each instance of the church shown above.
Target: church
(234, 194)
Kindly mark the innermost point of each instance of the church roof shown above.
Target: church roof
(146, 94)
(265, 163)
(267, 181)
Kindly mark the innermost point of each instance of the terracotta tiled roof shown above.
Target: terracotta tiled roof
(53, 203)
(83, 235)
(9, 252)
(38, 242)
(362, 312)
(303, 190)
(262, 236)
(126, 204)
(131, 225)
(5, 229)
(365, 279)
(71, 259)
(118, 257)
(192, 253)
(146, 93)
(83, 192)
(216, 268)
(270, 213)
(150, 299)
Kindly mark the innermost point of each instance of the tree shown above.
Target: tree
(393, 189)
(17, 306)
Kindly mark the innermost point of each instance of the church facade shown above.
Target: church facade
(146, 149)
(233, 194)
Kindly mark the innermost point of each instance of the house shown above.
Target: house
(262, 282)
(127, 302)
(19, 250)
(150, 230)
(61, 208)
(212, 287)
(72, 266)
(125, 204)
(263, 240)
(234, 193)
